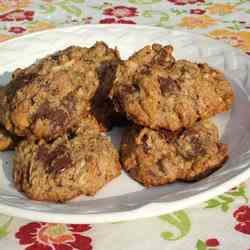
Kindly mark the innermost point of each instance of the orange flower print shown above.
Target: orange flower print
(221, 9)
(239, 39)
(40, 25)
(13, 5)
(4, 37)
(197, 22)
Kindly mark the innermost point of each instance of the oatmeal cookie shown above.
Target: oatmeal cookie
(157, 91)
(71, 165)
(51, 97)
(160, 157)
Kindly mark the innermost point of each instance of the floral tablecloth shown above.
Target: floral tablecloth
(220, 223)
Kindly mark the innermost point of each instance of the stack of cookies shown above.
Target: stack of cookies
(57, 111)
(169, 102)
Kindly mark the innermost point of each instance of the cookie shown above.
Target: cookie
(160, 92)
(7, 141)
(51, 97)
(156, 158)
(71, 165)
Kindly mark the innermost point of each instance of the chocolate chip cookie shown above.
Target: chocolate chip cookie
(157, 91)
(71, 165)
(159, 157)
(51, 97)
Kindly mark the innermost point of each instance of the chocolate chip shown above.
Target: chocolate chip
(130, 89)
(168, 85)
(49, 159)
(56, 117)
(60, 164)
(190, 145)
(59, 118)
(69, 102)
(169, 136)
(43, 111)
(145, 69)
(42, 153)
(197, 147)
(133, 173)
(160, 166)
(201, 65)
(21, 80)
(144, 143)
(58, 151)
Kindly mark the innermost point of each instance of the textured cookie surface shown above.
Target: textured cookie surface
(160, 157)
(69, 166)
(6, 140)
(50, 97)
(156, 91)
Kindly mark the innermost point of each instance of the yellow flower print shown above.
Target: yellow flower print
(199, 22)
(6, 6)
(4, 37)
(239, 39)
(40, 25)
(220, 8)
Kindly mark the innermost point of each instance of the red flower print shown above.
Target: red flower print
(197, 11)
(17, 30)
(184, 2)
(46, 236)
(17, 15)
(212, 242)
(113, 20)
(121, 11)
(242, 215)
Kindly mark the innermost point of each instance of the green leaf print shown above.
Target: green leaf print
(224, 201)
(144, 1)
(47, 9)
(212, 203)
(164, 16)
(76, 1)
(180, 220)
(178, 12)
(70, 8)
(200, 245)
(4, 228)
(241, 2)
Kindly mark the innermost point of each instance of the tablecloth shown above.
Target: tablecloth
(219, 223)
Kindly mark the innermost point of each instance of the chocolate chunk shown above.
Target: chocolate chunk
(60, 164)
(145, 69)
(190, 145)
(21, 80)
(197, 147)
(69, 102)
(57, 117)
(133, 172)
(43, 111)
(160, 166)
(144, 143)
(42, 153)
(169, 136)
(47, 158)
(168, 85)
(129, 89)
(57, 152)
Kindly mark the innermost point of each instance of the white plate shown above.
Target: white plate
(123, 198)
